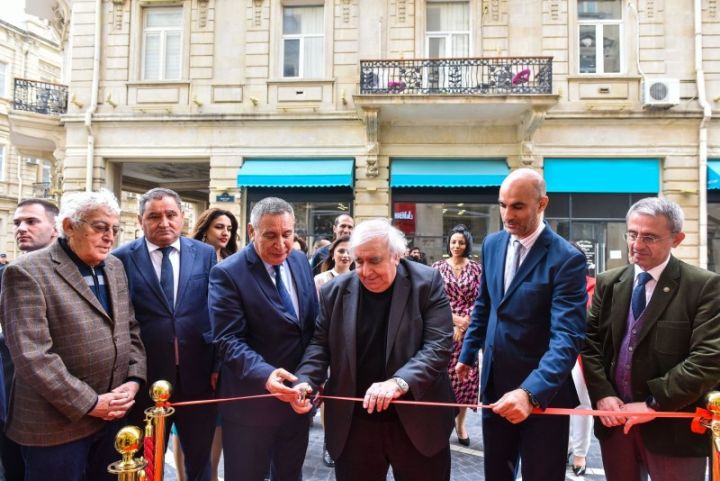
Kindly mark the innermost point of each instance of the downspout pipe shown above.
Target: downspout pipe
(90, 156)
(702, 138)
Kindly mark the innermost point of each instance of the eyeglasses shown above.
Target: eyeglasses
(103, 228)
(645, 239)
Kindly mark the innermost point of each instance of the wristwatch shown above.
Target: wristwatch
(532, 398)
(652, 403)
(401, 384)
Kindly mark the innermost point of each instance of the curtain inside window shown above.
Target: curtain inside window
(151, 62)
(448, 17)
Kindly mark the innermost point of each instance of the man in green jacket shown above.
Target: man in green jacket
(653, 344)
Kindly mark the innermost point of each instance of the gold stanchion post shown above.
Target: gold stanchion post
(713, 405)
(127, 443)
(160, 394)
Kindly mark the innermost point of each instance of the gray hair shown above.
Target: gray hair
(379, 229)
(158, 193)
(76, 205)
(655, 206)
(269, 206)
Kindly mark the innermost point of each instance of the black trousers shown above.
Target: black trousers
(373, 446)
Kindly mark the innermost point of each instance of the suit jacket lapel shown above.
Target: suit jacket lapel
(143, 264)
(663, 293)
(112, 282)
(187, 262)
(620, 306)
(498, 265)
(400, 297)
(350, 306)
(537, 252)
(294, 268)
(262, 277)
(67, 270)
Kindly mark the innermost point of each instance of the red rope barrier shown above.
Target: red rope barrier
(148, 453)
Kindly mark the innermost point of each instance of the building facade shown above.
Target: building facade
(411, 109)
(31, 136)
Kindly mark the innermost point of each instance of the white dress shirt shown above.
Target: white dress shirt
(156, 257)
(527, 244)
(287, 281)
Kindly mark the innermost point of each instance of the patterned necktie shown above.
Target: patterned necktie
(167, 281)
(638, 295)
(284, 294)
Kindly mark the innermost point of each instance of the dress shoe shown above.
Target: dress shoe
(579, 470)
(464, 441)
(326, 458)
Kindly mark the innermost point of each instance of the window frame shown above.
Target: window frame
(448, 34)
(4, 90)
(600, 25)
(145, 11)
(3, 161)
(301, 39)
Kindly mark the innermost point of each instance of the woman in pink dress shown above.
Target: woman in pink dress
(462, 281)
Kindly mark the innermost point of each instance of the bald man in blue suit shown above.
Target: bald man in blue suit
(529, 320)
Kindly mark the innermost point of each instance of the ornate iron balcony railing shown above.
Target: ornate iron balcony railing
(41, 190)
(40, 97)
(459, 76)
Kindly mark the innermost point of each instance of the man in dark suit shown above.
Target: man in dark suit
(529, 320)
(168, 279)
(342, 227)
(79, 360)
(653, 344)
(263, 305)
(385, 332)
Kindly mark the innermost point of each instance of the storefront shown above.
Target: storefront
(318, 189)
(589, 199)
(432, 195)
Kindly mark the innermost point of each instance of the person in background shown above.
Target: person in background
(462, 281)
(79, 360)
(168, 280)
(299, 244)
(219, 228)
(416, 255)
(339, 261)
(319, 243)
(343, 226)
(581, 426)
(33, 229)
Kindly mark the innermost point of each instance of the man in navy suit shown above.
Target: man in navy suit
(529, 320)
(168, 278)
(263, 305)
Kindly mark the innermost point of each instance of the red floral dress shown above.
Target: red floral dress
(462, 291)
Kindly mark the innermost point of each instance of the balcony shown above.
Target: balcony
(40, 97)
(506, 90)
(458, 76)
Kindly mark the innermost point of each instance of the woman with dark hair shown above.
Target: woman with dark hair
(337, 262)
(462, 281)
(299, 244)
(218, 228)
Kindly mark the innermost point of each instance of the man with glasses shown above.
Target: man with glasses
(168, 278)
(75, 343)
(653, 344)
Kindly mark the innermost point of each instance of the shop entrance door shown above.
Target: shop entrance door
(602, 242)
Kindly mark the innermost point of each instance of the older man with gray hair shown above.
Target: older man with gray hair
(653, 344)
(72, 335)
(263, 305)
(385, 332)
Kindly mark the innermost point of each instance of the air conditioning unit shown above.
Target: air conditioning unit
(661, 93)
(32, 161)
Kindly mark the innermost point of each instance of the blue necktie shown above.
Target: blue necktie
(166, 276)
(638, 295)
(284, 294)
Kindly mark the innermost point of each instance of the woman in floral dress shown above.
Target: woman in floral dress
(462, 281)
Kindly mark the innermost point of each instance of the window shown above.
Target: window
(448, 29)
(2, 162)
(3, 80)
(45, 172)
(303, 42)
(162, 44)
(600, 29)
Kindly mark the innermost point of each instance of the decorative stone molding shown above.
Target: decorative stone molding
(370, 118)
(202, 13)
(346, 5)
(712, 9)
(257, 12)
(494, 11)
(117, 13)
(526, 131)
(554, 9)
(401, 10)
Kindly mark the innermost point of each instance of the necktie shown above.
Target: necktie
(284, 294)
(166, 276)
(638, 295)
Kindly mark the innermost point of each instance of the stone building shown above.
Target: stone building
(32, 98)
(414, 109)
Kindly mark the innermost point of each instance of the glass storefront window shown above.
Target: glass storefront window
(426, 224)
(713, 234)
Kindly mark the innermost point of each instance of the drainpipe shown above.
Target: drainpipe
(702, 137)
(90, 157)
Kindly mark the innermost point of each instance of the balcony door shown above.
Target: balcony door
(447, 37)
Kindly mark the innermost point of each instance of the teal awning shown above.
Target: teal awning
(296, 173)
(603, 175)
(442, 172)
(713, 173)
